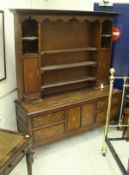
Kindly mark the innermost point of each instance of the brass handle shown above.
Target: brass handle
(58, 116)
(48, 115)
(39, 119)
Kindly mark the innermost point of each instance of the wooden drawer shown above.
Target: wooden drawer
(101, 117)
(102, 105)
(48, 132)
(115, 112)
(116, 99)
(47, 119)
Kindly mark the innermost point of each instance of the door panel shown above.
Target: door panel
(74, 118)
(31, 75)
(101, 117)
(104, 66)
(87, 114)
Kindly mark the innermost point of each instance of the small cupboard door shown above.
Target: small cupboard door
(87, 114)
(74, 118)
(104, 66)
(31, 82)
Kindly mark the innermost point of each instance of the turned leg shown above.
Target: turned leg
(29, 159)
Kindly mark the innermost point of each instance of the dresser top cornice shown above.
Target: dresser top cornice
(59, 12)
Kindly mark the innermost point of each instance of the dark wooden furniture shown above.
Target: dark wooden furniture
(62, 58)
(58, 51)
(13, 147)
(64, 115)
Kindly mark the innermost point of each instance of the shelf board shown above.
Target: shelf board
(106, 35)
(30, 38)
(68, 82)
(26, 55)
(105, 49)
(71, 65)
(69, 50)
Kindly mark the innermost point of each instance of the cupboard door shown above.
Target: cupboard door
(101, 117)
(115, 112)
(87, 114)
(31, 75)
(116, 99)
(104, 66)
(74, 118)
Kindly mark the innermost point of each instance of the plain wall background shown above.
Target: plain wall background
(8, 86)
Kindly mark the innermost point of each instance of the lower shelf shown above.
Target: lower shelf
(66, 66)
(68, 82)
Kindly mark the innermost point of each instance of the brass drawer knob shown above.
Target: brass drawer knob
(49, 115)
(58, 116)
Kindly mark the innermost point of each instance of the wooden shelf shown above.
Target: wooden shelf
(68, 82)
(30, 55)
(106, 35)
(71, 65)
(105, 49)
(30, 38)
(69, 50)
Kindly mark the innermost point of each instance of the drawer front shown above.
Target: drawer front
(48, 132)
(101, 117)
(47, 119)
(116, 99)
(102, 105)
(87, 114)
(115, 112)
(74, 118)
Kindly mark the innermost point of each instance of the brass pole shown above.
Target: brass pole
(104, 146)
(122, 101)
(122, 77)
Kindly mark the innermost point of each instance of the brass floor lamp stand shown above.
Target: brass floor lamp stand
(107, 140)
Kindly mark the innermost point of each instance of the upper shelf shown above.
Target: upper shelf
(30, 55)
(30, 38)
(103, 49)
(106, 35)
(69, 50)
(71, 65)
